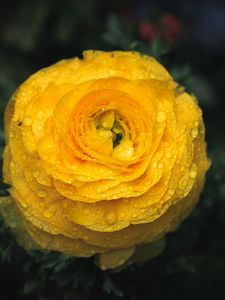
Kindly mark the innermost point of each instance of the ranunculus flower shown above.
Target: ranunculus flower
(104, 156)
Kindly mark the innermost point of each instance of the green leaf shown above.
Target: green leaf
(110, 288)
(30, 286)
(118, 33)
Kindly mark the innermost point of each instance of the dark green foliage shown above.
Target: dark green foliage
(6, 242)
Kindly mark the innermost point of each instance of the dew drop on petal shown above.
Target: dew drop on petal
(86, 211)
(179, 192)
(36, 173)
(11, 134)
(194, 133)
(196, 123)
(24, 204)
(193, 174)
(154, 164)
(168, 154)
(111, 218)
(170, 192)
(27, 121)
(160, 166)
(161, 117)
(42, 193)
(47, 213)
(160, 130)
(86, 237)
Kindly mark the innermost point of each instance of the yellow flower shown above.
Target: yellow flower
(104, 156)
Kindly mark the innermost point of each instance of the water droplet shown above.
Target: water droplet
(168, 154)
(161, 117)
(154, 164)
(27, 121)
(134, 215)
(160, 166)
(36, 173)
(179, 192)
(122, 215)
(170, 192)
(86, 211)
(196, 124)
(24, 204)
(11, 134)
(160, 130)
(202, 131)
(39, 128)
(86, 237)
(193, 174)
(42, 193)
(47, 213)
(194, 133)
(111, 218)
(12, 163)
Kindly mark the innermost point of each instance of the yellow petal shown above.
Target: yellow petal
(115, 258)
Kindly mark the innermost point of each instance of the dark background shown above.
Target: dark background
(37, 33)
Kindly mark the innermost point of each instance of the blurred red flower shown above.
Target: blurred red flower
(170, 28)
(147, 30)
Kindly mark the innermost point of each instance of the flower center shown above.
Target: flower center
(108, 126)
(111, 127)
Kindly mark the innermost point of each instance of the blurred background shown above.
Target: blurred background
(188, 37)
